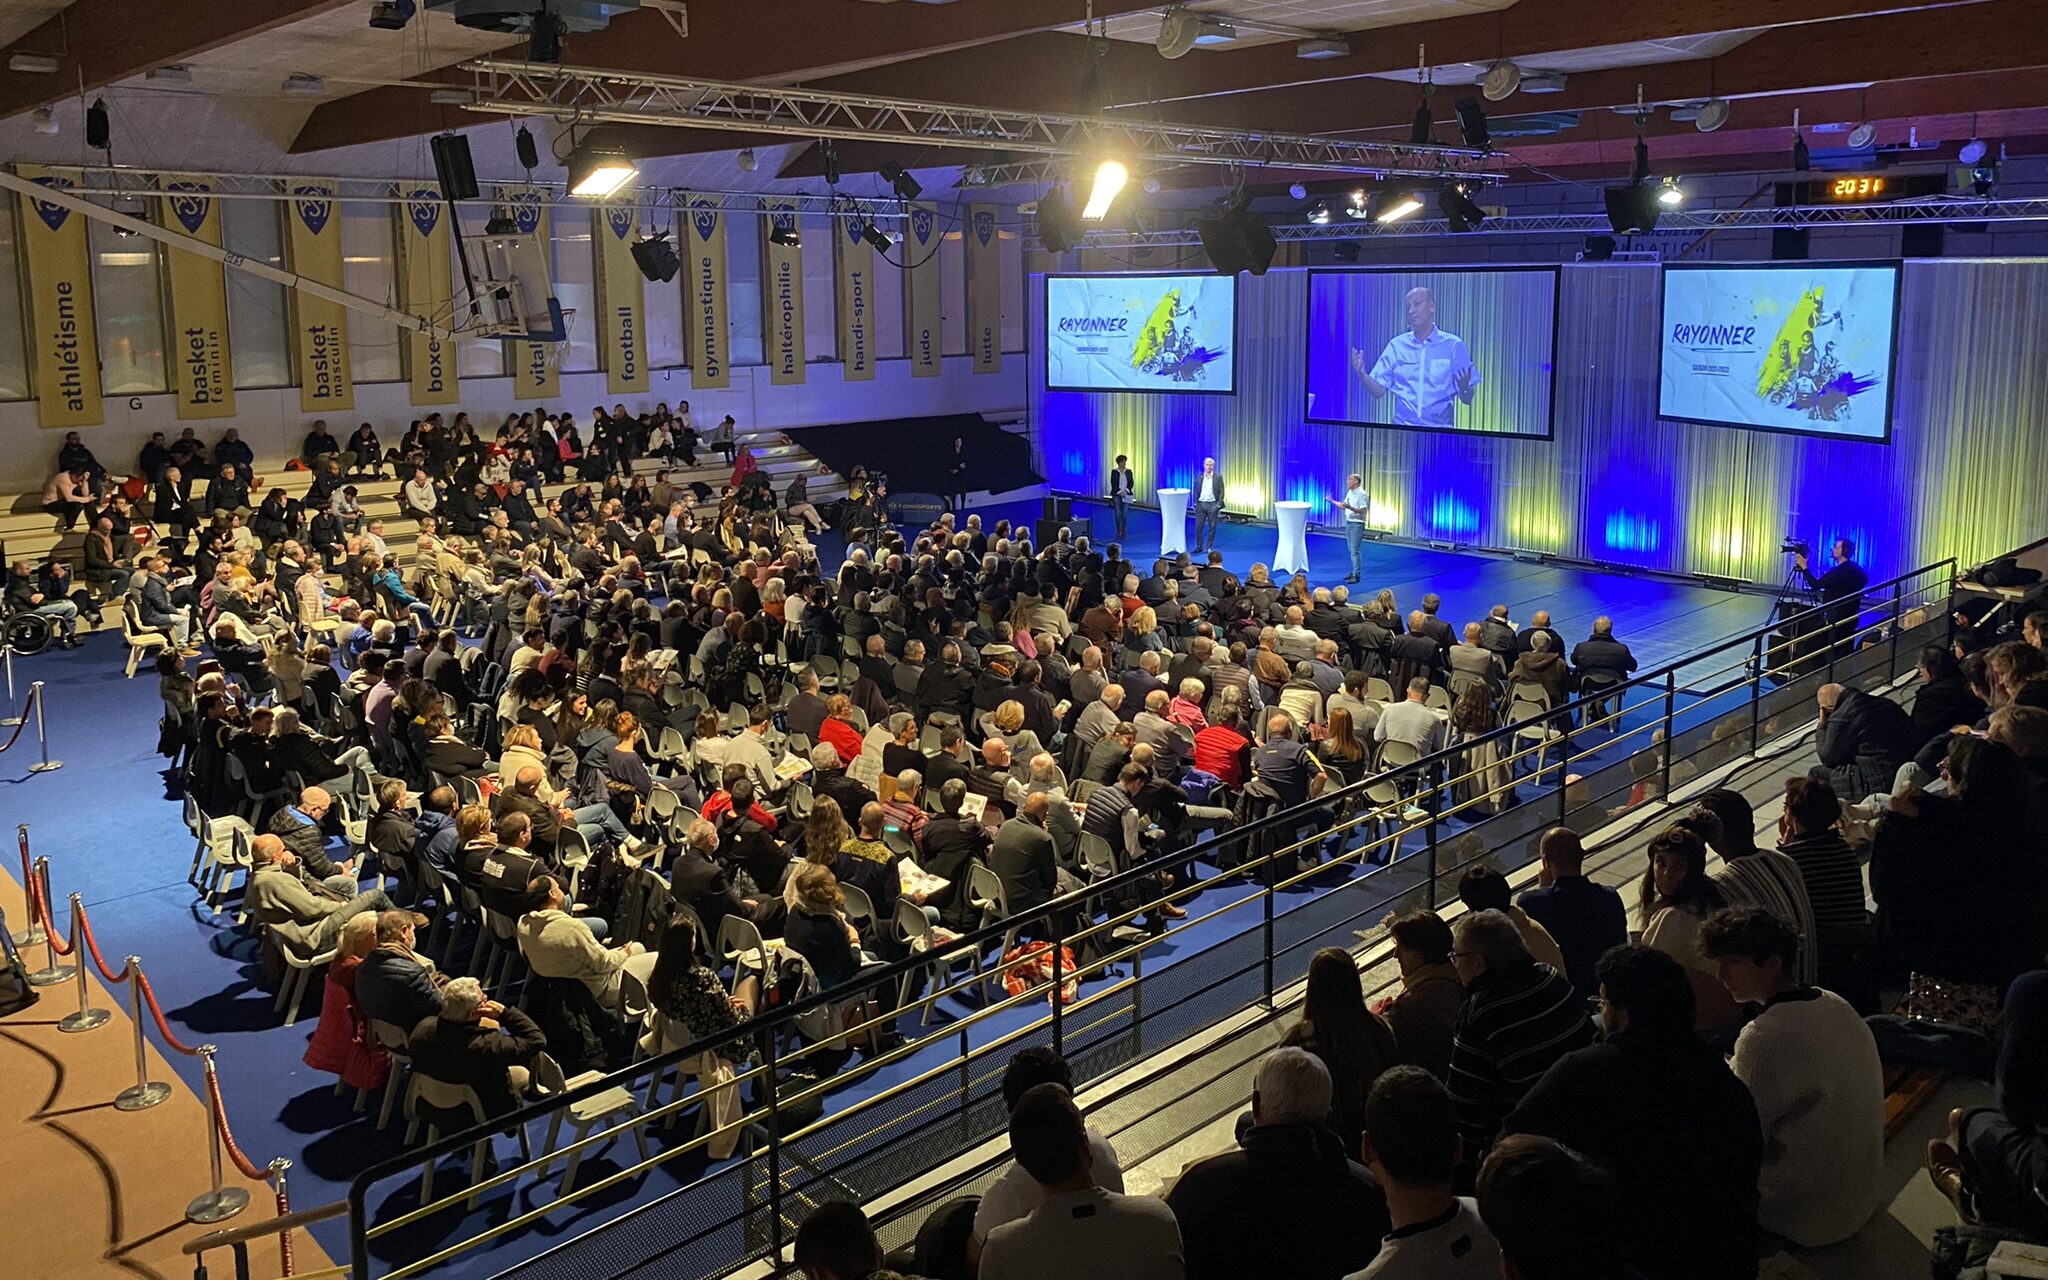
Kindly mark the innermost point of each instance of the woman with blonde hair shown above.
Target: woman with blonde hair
(817, 931)
(1141, 630)
(287, 667)
(522, 749)
(1008, 722)
(342, 1043)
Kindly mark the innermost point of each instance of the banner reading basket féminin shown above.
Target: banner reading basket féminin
(319, 327)
(63, 341)
(429, 291)
(533, 377)
(855, 292)
(705, 266)
(622, 328)
(202, 369)
(922, 323)
(782, 299)
(984, 289)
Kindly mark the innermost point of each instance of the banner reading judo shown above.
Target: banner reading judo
(704, 271)
(855, 295)
(622, 328)
(429, 291)
(922, 323)
(320, 327)
(534, 376)
(202, 370)
(63, 340)
(984, 289)
(782, 298)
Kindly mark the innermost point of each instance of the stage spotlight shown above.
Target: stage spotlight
(1318, 212)
(784, 236)
(1458, 208)
(746, 161)
(1972, 151)
(1472, 124)
(1392, 206)
(657, 258)
(546, 44)
(1641, 172)
(1670, 194)
(1345, 251)
(1598, 249)
(1355, 205)
(1632, 210)
(828, 151)
(1110, 177)
(905, 186)
(598, 168)
(1296, 191)
(877, 237)
(1057, 230)
(392, 15)
(1151, 184)
(1984, 181)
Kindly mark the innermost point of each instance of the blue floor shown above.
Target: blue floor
(113, 837)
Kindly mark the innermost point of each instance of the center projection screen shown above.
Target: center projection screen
(1464, 350)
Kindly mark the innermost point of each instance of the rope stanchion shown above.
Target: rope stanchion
(34, 933)
(163, 1026)
(7, 660)
(87, 1017)
(81, 926)
(222, 1202)
(145, 1092)
(35, 693)
(20, 724)
(284, 1210)
(51, 973)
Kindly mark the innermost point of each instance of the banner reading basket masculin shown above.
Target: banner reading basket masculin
(782, 299)
(202, 369)
(922, 323)
(623, 326)
(856, 297)
(534, 377)
(320, 327)
(984, 289)
(64, 340)
(429, 291)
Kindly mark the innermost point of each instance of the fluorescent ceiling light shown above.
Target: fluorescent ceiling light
(597, 169)
(176, 73)
(40, 64)
(1398, 207)
(449, 97)
(1318, 50)
(303, 85)
(1110, 177)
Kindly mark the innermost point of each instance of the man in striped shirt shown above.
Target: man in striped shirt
(1519, 1017)
(1750, 876)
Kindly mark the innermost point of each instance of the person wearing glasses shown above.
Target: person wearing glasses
(1519, 1017)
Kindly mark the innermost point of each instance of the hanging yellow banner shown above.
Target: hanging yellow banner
(534, 374)
(855, 296)
(984, 289)
(623, 325)
(202, 368)
(782, 297)
(423, 251)
(704, 268)
(319, 327)
(63, 340)
(922, 323)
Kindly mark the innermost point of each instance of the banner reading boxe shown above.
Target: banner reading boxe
(984, 289)
(320, 327)
(534, 376)
(65, 341)
(429, 291)
(782, 300)
(202, 370)
(623, 326)
(711, 337)
(856, 298)
(921, 296)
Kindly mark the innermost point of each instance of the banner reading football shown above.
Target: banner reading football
(202, 370)
(320, 327)
(623, 326)
(429, 291)
(1793, 347)
(534, 376)
(705, 283)
(922, 324)
(64, 341)
(1140, 333)
(984, 289)
(782, 300)
(856, 299)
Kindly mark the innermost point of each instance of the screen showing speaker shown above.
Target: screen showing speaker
(1172, 333)
(1467, 350)
(1801, 347)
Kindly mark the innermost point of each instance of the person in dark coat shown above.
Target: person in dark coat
(1997, 1156)
(1659, 1108)
(1942, 700)
(1862, 742)
(477, 1042)
(1601, 653)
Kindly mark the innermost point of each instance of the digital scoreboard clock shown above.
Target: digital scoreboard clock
(1867, 188)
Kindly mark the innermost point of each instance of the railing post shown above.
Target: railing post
(1898, 617)
(1670, 736)
(145, 1092)
(34, 933)
(52, 972)
(13, 716)
(1266, 927)
(46, 764)
(1429, 828)
(774, 1146)
(1059, 939)
(1756, 696)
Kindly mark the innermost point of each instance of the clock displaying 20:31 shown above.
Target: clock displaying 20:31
(1858, 187)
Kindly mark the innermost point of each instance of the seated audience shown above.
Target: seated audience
(1584, 918)
(1519, 1017)
(1014, 1195)
(1992, 1164)
(478, 1042)
(558, 945)
(1484, 889)
(301, 910)
(1552, 1212)
(1424, 1014)
(1862, 742)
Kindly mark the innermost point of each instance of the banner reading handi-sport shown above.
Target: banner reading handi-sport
(319, 327)
(63, 340)
(622, 322)
(202, 367)
(856, 296)
(782, 295)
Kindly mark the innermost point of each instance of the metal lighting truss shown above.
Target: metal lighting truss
(594, 96)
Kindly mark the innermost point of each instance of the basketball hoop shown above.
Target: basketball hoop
(555, 352)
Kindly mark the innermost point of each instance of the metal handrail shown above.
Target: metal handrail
(265, 1227)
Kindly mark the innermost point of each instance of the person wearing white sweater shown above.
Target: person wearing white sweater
(1812, 1067)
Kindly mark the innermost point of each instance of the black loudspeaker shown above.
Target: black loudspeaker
(657, 258)
(1047, 532)
(1058, 230)
(1920, 240)
(1056, 506)
(529, 154)
(1632, 210)
(98, 132)
(1237, 241)
(1789, 244)
(452, 168)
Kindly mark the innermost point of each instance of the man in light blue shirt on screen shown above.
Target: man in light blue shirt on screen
(1426, 368)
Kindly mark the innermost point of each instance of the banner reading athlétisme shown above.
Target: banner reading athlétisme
(622, 328)
(855, 293)
(202, 369)
(782, 298)
(319, 327)
(429, 291)
(704, 288)
(63, 341)
(921, 293)
(533, 376)
(984, 289)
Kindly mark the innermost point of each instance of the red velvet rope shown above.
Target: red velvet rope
(284, 1238)
(43, 917)
(33, 695)
(162, 1025)
(92, 945)
(227, 1137)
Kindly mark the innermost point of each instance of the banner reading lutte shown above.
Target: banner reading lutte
(855, 294)
(429, 291)
(319, 327)
(623, 326)
(984, 289)
(923, 323)
(782, 298)
(704, 268)
(534, 376)
(202, 368)
(63, 339)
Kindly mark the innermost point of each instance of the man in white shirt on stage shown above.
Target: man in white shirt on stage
(1428, 370)
(1357, 504)
(1208, 497)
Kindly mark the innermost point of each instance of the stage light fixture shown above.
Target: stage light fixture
(1984, 181)
(1356, 205)
(1418, 129)
(1318, 212)
(1641, 172)
(301, 85)
(828, 152)
(1598, 249)
(1802, 159)
(877, 237)
(1237, 239)
(1500, 81)
(1110, 177)
(599, 168)
(1319, 50)
(905, 186)
(392, 15)
(1296, 191)
(1862, 136)
(1632, 210)
(657, 258)
(784, 236)
(1458, 207)
(1713, 114)
(1972, 151)
(1392, 206)
(98, 129)
(1670, 194)
(1472, 125)
(546, 44)
(1151, 184)
(529, 153)
(45, 120)
(35, 64)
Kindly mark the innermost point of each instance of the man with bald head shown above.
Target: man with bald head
(1022, 856)
(299, 909)
(1428, 370)
(1539, 621)
(1415, 652)
(1601, 656)
(1585, 918)
(303, 827)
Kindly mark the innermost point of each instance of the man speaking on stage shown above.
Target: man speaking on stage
(1428, 370)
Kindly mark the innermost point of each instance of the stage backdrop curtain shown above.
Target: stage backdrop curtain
(1618, 485)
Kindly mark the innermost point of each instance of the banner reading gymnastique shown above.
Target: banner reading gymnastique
(782, 298)
(64, 341)
(855, 294)
(320, 327)
(202, 370)
(704, 271)
(429, 291)
(984, 289)
(922, 324)
(534, 377)
(622, 329)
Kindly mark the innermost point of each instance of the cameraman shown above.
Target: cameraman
(1839, 591)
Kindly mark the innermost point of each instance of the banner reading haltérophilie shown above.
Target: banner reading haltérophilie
(63, 340)
(534, 377)
(319, 327)
(921, 294)
(782, 298)
(984, 289)
(855, 291)
(704, 269)
(202, 370)
(429, 291)
(623, 326)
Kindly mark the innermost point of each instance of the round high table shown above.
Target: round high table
(1173, 521)
(1291, 556)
